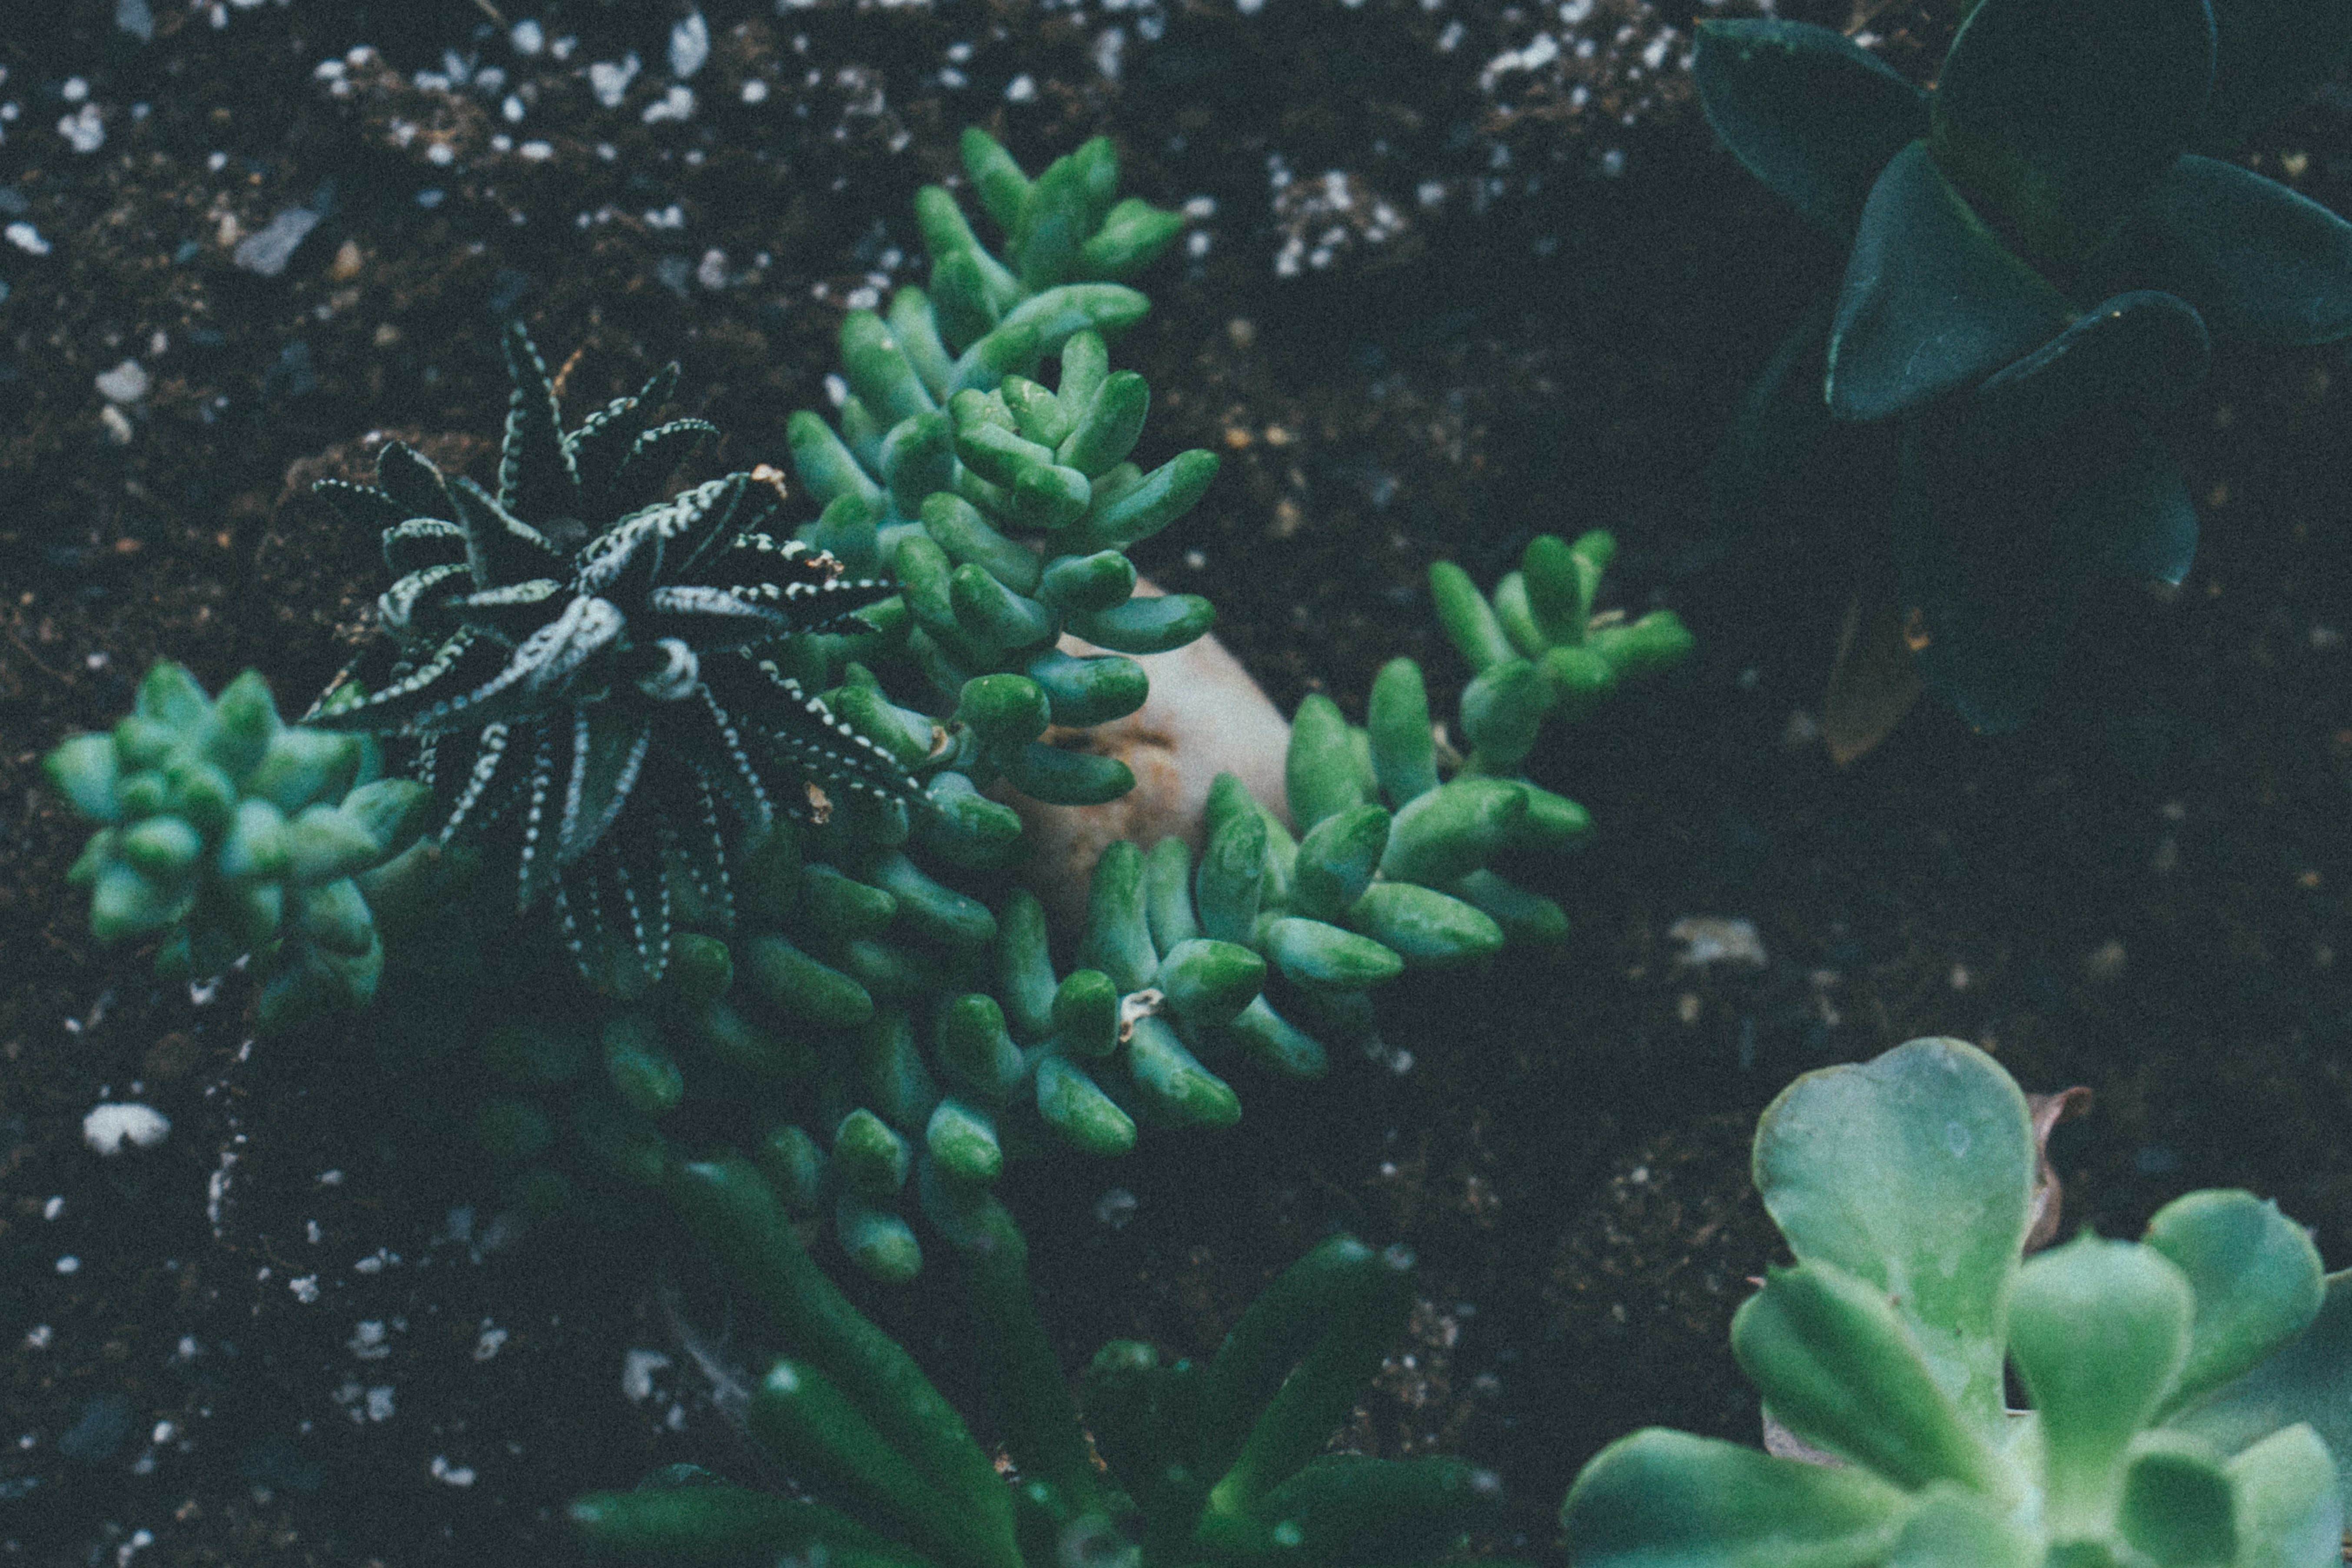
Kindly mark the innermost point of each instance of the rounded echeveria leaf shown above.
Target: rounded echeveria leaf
(2263, 264)
(2307, 1380)
(1808, 110)
(1932, 301)
(1661, 1497)
(1953, 1529)
(2268, 55)
(2054, 115)
(1837, 1365)
(2255, 1274)
(2288, 1507)
(2099, 1330)
(2177, 1503)
(1914, 1172)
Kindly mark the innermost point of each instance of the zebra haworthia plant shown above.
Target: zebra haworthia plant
(584, 659)
(2185, 1389)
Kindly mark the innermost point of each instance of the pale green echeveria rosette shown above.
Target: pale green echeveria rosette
(2169, 1385)
(231, 833)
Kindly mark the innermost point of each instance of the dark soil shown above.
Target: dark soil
(291, 1333)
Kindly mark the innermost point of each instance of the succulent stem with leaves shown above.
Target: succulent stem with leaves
(1156, 1462)
(232, 833)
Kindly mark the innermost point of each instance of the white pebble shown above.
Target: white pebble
(610, 82)
(108, 1127)
(69, 1264)
(1021, 89)
(126, 383)
(528, 36)
(755, 91)
(76, 88)
(637, 1371)
(379, 1403)
(306, 1289)
(268, 249)
(689, 45)
(26, 238)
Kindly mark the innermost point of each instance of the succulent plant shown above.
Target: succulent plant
(1160, 1462)
(2044, 250)
(1005, 508)
(584, 659)
(2181, 1385)
(233, 833)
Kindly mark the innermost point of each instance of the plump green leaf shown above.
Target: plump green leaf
(2054, 115)
(2262, 263)
(1953, 1529)
(1811, 113)
(1838, 1366)
(2255, 1274)
(1932, 301)
(2098, 1330)
(2269, 54)
(1913, 1172)
(2308, 1380)
(2176, 1504)
(1667, 1500)
(2288, 1507)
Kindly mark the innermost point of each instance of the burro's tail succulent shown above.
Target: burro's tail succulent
(230, 833)
(1157, 1462)
(2185, 1389)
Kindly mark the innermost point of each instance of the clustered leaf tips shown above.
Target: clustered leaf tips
(589, 665)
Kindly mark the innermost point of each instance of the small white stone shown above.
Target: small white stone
(306, 1289)
(609, 81)
(637, 1369)
(689, 45)
(84, 131)
(379, 1403)
(107, 1128)
(528, 36)
(1711, 939)
(69, 1264)
(1022, 89)
(755, 91)
(26, 238)
(126, 383)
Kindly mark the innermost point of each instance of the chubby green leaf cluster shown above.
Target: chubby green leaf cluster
(2166, 1425)
(2044, 250)
(1222, 1463)
(233, 833)
(1536, 649)
(1003, 507)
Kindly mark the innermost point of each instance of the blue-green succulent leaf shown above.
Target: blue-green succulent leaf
(2177, 1505)
(2289, 1507)
(2262, 263)
(2308, 1380)
(2099, 1331)
(1811, 113)
(1955, 1529)
(2256, 1278)
(2144, 351)
(2269, 54)
(1667, 1500)
(1914, 1172)
(1932, 301)
(2054, 115)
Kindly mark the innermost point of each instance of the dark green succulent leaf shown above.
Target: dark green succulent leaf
(500, 548)
(2270, 55)
(1667, 1500)
(1811, 113)
(2054, 115)
(2307, 1380)
(1933, 301)
(535, 474)
(603, 441)
(2256, 1276)
(362, 504)
(409, 479)
(2142, 351)
(1998, 531)
(2263, 264)
(1914, 1172)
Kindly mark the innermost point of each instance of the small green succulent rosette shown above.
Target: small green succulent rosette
(2183, 1387)
(1155, 1462)
(231, 833)
(2044, 251)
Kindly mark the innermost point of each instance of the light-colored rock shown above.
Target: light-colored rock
(1205, 716)
(112, 1125)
